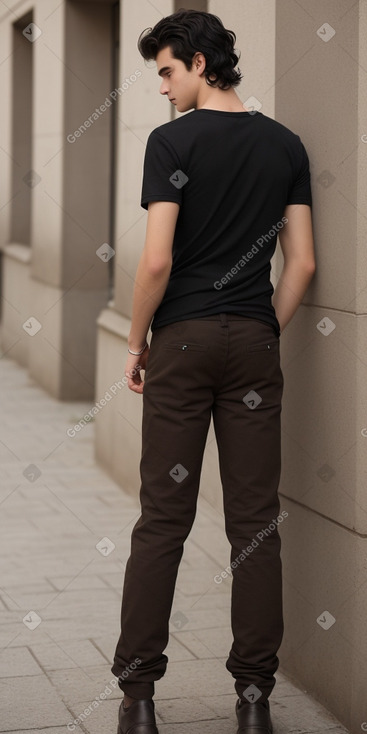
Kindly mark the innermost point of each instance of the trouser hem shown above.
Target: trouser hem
(135, 690)
(261, 699)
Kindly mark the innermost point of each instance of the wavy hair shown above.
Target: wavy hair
(190, 31)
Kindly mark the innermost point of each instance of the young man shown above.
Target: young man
(220, 184)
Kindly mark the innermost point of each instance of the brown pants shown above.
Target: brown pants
(229, 366)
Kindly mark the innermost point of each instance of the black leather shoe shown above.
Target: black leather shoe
(254, 718)
(138, 719)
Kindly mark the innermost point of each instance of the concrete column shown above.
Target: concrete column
(140, 109)
(17, 75)
(68, 281)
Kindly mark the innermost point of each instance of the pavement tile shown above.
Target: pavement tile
(35, 588)
(52, 730)
(99, 717)
(182, 710)
(114, 580)
(76, 684)
(81, 582)
(67, 654)
(207, 643)
(175, 651)
(19, 662)
(188, 677)
(302, 714)
(31, 702)
(202, 618)
(219, 726)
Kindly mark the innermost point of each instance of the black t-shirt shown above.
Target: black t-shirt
(233, 173)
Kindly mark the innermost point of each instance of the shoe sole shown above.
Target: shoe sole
(238, 730)
(140, 729)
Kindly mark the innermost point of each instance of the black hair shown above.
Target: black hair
(190, 31)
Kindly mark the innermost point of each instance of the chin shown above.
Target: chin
(181, 107)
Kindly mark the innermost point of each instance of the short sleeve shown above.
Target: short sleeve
(300, 190)
(163, 178)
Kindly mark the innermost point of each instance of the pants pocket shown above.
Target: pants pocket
(185, 346)
(263, 346)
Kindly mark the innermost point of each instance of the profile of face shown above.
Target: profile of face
(179, 84)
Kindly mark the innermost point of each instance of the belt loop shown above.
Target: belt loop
(223, 318)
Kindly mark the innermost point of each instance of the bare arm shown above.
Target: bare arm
(154, 269)
(296, 241)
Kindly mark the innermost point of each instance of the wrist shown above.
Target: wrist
(135, 345)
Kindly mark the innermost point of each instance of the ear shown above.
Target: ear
(199, 62)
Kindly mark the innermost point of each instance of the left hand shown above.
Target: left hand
(136, 363)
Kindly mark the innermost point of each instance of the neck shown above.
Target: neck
(219, 99)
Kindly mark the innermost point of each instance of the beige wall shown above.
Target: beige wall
(324, 452)
(317, 89)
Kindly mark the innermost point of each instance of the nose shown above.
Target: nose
(163, 88)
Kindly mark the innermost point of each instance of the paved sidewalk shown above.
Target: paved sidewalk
(61, 582)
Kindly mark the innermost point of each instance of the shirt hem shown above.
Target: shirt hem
(269, 322)
(158, 197)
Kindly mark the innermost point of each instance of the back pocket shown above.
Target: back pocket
(185, 346)
(263, 346)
